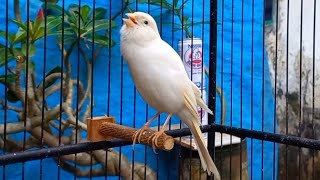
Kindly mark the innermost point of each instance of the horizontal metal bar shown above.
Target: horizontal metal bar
(90, 146)
(266, 136)
(58, 151)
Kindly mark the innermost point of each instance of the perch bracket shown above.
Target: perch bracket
(104, 128)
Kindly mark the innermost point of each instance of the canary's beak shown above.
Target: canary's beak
(131, 21)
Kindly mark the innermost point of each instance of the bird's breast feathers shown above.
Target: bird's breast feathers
(159, 75)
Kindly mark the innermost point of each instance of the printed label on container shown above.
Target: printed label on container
(190, 51)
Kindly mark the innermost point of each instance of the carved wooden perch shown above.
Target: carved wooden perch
(104, 128)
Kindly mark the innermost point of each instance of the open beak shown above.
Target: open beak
(131, 21)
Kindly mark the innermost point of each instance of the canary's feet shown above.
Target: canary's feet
(137, 136)
(154, 139)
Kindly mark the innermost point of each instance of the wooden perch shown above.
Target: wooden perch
(104, 128)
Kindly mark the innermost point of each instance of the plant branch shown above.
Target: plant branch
(18, 80)
(126, 4)
(80, 172)
(13, 127)
(68, 110)
(188, 33)
(17, 10)
(9, 107)
(66, 56)
(49, 78)
(89, 79)
(52, 141)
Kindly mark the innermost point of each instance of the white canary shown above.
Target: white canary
(159, 76)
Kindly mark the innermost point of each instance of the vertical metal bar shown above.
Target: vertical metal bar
(252, 83)
(5, 115)
(93, 51)
(313, 80)
(78, 79)
(61, 83)
(147, 114)
(202, 68)
(109, 62)
(109, 84)
(44, 81)
(26, 106)
(222, 80)
(172, 39)
(287, 61)
(300, 85)
(159, 117)
(241, 81)
(231, 83)
(191, 77)
(263, 93)
(212, 74)
(134, 112)
(275, 85)
(121, 105)
(180, 123)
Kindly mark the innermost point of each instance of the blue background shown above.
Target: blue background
(238, 50)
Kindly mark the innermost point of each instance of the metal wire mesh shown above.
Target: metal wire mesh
(60, 64)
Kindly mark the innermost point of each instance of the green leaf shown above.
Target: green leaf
(185, 19)
(67, 39)
(101, 40)
(38, 30)
(66, 32)
(73, 8)
(177, 28)
(3, 59)
(197, 23)
(99, 13)
(12, 97)
(183, 4)
(170, 23)
(21, 25)
(17, 52)
(102, 24)
(39, 33)
(175, 3)
(10, 78)
(10, 36)
(72, 16)
(53, 22)
(20, 36)
(31, 49)
(85, 10)
(130, 9)
(57, 69)
(50, 1)
(163, 3)
(56, 8)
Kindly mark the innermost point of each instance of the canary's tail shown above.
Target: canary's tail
(206, 161)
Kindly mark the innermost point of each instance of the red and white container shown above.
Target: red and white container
(190, 51)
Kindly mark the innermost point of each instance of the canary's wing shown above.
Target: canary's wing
(200, 101)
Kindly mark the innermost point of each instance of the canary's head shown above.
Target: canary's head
(139, 26)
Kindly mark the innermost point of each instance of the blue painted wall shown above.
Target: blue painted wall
(229, 69)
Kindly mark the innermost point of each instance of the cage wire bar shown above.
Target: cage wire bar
(90, 146)
(294, 130)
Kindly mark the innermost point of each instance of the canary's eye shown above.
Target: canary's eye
(145, 22)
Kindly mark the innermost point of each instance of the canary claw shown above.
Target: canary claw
(154, 138)
(137, 136)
